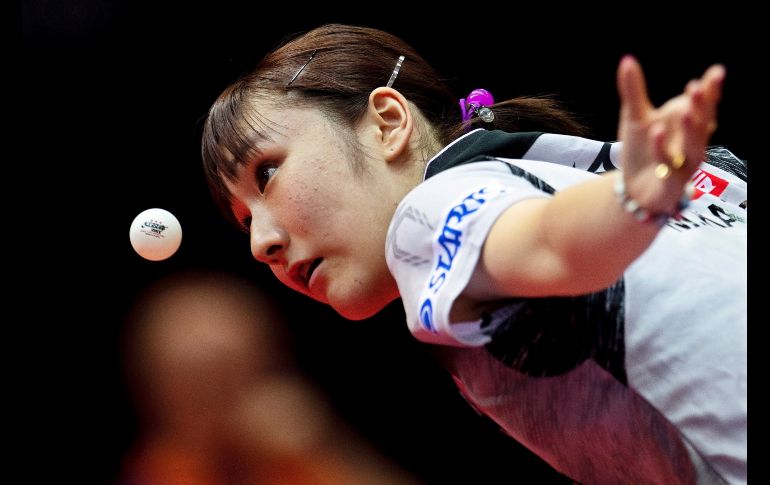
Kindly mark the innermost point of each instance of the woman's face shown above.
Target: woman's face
(319, 223)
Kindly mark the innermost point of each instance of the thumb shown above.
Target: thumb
(634, 101)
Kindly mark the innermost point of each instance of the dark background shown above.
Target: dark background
(112, 95)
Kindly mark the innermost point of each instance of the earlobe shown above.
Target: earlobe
(393, 118)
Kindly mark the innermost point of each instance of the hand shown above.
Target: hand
(656, 139)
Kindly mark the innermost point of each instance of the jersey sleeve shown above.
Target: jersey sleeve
(436, 236)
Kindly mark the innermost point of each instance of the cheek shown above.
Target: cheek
(308, 208)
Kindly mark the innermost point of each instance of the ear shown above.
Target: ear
(391, 118)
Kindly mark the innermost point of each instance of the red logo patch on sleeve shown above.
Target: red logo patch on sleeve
(707, 183)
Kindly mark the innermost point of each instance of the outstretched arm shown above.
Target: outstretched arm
(582, 240)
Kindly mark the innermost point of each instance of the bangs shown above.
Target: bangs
(232, 135)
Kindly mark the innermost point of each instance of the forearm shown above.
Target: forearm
(583, 238)
(593, 238)
(579, 241)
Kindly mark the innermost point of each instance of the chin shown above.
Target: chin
(364, 299)
(361, 310)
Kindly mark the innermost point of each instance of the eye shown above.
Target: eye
(264, 173)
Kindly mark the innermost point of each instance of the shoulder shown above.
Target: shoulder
(436, 236)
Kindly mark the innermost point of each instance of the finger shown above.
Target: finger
(695, 138)
(712, 81)
(701, 112)
(634, 101)
(659, 142)
(711, 87)
(692, 86)
(705, 96)
(698, 124)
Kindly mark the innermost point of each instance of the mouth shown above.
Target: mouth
(309, 269)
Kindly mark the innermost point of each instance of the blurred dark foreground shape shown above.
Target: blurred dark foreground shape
(220, 400)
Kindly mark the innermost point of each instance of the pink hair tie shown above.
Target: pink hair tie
(477, 102)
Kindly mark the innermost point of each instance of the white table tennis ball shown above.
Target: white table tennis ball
(155, 234)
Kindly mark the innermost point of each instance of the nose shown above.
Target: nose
(268, 241)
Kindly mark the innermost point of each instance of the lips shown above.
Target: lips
(302, 272)
(310, 269)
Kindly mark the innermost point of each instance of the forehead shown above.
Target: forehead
(276, 120)
(257, 127)
(272, 129)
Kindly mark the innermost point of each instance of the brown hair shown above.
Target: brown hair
(334, 68)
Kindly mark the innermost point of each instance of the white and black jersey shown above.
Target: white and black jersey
(644, 381)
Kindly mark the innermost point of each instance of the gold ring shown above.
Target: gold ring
(662, 171)
(678, 161)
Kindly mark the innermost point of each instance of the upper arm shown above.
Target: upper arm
(516, 259)
(579, 241)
